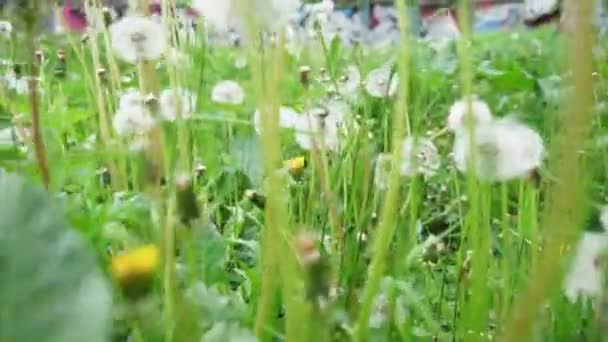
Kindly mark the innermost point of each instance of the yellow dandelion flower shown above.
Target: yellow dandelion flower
(295, 166)
(134, 270)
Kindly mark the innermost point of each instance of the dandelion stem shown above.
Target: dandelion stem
(566, 198)
(34, 107)
(387, 226)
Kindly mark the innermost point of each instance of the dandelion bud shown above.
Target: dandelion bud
(315, 266)
(256, 198)
(305, 75)
(133, 271)
(60, 68)
(104, 177)
(107, 16)
(535, 177)
(187, 205)
(200, 171)
(235, 39)
(39, 57)
(308, 253)
(101, 73)
(18, 70)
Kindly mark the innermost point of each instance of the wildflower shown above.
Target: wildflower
(382, 82)
(323, 125)
(295, 166)
(136, 39)
(586, 274)
(132, 117)
(419, 156)
(287, 118)
(348, 85)
(504, 148)
(134, 270)
(174, 101)
(6, 28)
(228, 92)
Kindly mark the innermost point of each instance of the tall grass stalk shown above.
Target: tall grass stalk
(103, 119)
(388, 218)
(566, 201)
(278, 253)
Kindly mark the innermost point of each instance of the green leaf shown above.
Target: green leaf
(51, 288)
(248, 157)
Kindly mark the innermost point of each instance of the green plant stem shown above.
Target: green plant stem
(387, 225)
(39, 148)
(566, 202)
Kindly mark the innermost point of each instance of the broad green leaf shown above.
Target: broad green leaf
(51, 288)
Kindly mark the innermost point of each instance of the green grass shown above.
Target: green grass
(237, 273)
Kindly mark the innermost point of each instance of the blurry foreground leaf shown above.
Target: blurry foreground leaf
(51, 288)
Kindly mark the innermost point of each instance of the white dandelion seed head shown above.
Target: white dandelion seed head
(419, 156)
(217, 14)
(382, 83)
(6, 28)
(604, 218)
(137, 38)
(480, 112)
(172, 101)
(240, 61)
(348, 84)
(228, 92)
(288, 118)
(130, 98)
(504, 149)
(586, 274)
(132, 117)
(321, 127)
(382, 170)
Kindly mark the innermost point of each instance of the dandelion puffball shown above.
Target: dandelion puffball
(480, 113)
(132, 117)
(287, 118)
(137, 38)
(348, 85)
(320, 127)
(586, 273)
(503, 149)
(172, 101)
(419, 156)
(382, 82)
(216, 13)
(228, 92)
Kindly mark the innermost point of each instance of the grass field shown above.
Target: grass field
(212, 225)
